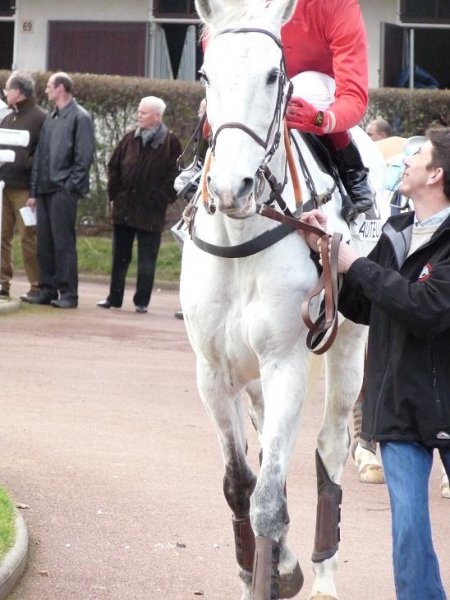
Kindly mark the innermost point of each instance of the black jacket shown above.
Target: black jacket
(406, 303)
(28, 117)
(140, 179)
(65, 152)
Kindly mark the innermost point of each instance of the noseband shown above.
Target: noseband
(278, 112)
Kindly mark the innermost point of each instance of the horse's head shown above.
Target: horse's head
(246, 90)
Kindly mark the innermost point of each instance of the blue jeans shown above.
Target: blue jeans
(407, 468)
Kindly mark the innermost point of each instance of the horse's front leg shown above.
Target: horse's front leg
(226, 410)
(344, 372)
(283, 385)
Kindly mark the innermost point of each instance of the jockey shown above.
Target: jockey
(329, 37)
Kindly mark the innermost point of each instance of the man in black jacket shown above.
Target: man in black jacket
(141, 173)
(60, 177)
(402, 291)
(25, 115)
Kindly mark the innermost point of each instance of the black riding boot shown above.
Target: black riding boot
(354, 176)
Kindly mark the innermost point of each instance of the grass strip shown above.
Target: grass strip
(7, 522)
(95, 252)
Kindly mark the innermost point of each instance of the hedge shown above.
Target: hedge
(112, 101)
(410, 112)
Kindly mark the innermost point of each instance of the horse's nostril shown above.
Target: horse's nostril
(246, 187)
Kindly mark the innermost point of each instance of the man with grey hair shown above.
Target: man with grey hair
(378, 129)
(24, 115)
(141, 173)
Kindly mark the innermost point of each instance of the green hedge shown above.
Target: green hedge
(112, 101)
(410, 112)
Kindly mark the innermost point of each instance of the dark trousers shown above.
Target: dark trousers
(56, 244)
(148, 243)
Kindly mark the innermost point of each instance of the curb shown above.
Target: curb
(9, 305)
(13, 564)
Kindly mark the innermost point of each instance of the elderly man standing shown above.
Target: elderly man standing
(27, 116)
(60, 177)
(141, 174)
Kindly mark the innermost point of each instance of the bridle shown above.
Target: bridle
(284, 93)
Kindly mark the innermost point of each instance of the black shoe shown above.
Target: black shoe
(4, 293)
(104, 303)
(64, 303)
(141, 309)
(107, 304)
(355, 177)
(178, 314)
(42, 297)
(33, 293)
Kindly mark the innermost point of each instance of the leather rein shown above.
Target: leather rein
(322, 328)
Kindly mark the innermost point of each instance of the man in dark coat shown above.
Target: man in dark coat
(25, 115)
(60, 177)
(141, 173)
(402, 291)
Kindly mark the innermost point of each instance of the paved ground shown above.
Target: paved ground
(105, 440)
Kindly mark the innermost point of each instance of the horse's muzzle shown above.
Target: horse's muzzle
(238, 203)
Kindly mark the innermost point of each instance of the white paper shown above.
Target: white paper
(28, 216)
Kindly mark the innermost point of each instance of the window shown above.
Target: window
(425, 11)
(7, 8)
(97, 47)
(175, 8)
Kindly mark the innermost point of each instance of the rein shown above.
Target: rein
(326, 321)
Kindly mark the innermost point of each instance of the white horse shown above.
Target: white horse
(243, 314)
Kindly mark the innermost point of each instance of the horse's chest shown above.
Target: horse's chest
(225, 339)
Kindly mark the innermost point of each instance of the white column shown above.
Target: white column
(9, 137)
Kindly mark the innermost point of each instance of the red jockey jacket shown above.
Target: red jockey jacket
(329, 36)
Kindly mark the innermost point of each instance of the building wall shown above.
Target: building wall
(31, 46)
(374, 13)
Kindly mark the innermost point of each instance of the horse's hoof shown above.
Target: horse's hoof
(369, 469)
(291, 583)
(371, 474)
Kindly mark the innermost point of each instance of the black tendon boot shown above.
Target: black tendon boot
(354, 176)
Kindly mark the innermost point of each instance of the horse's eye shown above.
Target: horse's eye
(203, 78)
(272, 77)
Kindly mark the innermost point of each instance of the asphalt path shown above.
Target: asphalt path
(106, 445)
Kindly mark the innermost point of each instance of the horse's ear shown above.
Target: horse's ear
(282, 9)
(207, 9)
